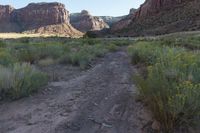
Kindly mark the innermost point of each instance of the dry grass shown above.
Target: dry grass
(22, 35)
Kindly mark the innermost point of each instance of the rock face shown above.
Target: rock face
(36, 16)
(5, 13)
(151, 7)
(111, 20)
(161, 17)
(120, 25)
(6, 24)
(85, 22)
(41, 14)
(132, 11)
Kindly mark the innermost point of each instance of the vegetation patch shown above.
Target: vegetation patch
(20, 80)
(172, 83)
(20, 58)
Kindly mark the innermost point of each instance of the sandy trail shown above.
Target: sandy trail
(100, 100)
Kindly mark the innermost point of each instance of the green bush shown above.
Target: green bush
(121, 42)
(46, 62)
(6, 58)
(145, 52)
(172, 85)
(82, 56)
(112, 47)
(28, 55)
(49, 51)
(2, 44)
(20, 80)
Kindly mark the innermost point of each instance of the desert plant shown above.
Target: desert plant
(112, 47)
(2, 44)
(20, 80)
(6, 58)
(172, 84)
(46, 62)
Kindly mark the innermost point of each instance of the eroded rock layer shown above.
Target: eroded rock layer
(156, 17)
(36, 16)
(84, 22)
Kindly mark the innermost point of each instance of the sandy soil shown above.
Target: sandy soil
(99, 100)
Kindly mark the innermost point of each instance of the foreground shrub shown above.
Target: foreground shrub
(145, 52)
(20, 80)
(172, 85)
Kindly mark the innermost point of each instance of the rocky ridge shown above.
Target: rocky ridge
(40, 17)
(156, 17)
(110, 20)
(123, 22)
(84, 22)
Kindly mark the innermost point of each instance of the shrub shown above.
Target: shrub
(2, 44)
(122, 42)
(172, 86)
(82, 56)
(27, 54)
(144, 52)
(112, 47)
(5, 58)
(49, 51)
(25, 40)
(46, 62)
(20, 80)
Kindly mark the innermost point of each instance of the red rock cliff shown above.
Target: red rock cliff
(84, 22)
(41, 14)
(47, 18)
(151, 7)
(5, 13)
(161, 17)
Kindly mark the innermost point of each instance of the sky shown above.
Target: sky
(95, 7)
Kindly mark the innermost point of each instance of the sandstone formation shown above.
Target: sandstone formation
(57, 29)
(5, 13)
(111, 20)
(37, 16)
(41, 14)
(6, 24)
(156, 17)
(120, 25)
(84, 22)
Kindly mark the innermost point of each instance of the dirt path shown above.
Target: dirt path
(100, 100)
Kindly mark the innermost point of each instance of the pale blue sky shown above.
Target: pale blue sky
(95, 7)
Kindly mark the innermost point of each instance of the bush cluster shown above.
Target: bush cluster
(20, 80)
(172, 84)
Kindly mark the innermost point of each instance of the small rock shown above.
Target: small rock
(106, 125)
(95, 104)
(64, 114)
(156, 125)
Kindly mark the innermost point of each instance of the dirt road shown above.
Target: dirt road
(99, 100)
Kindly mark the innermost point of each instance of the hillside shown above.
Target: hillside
(156, 17)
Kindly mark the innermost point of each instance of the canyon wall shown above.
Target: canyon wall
(34, 17)
(156, 17)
